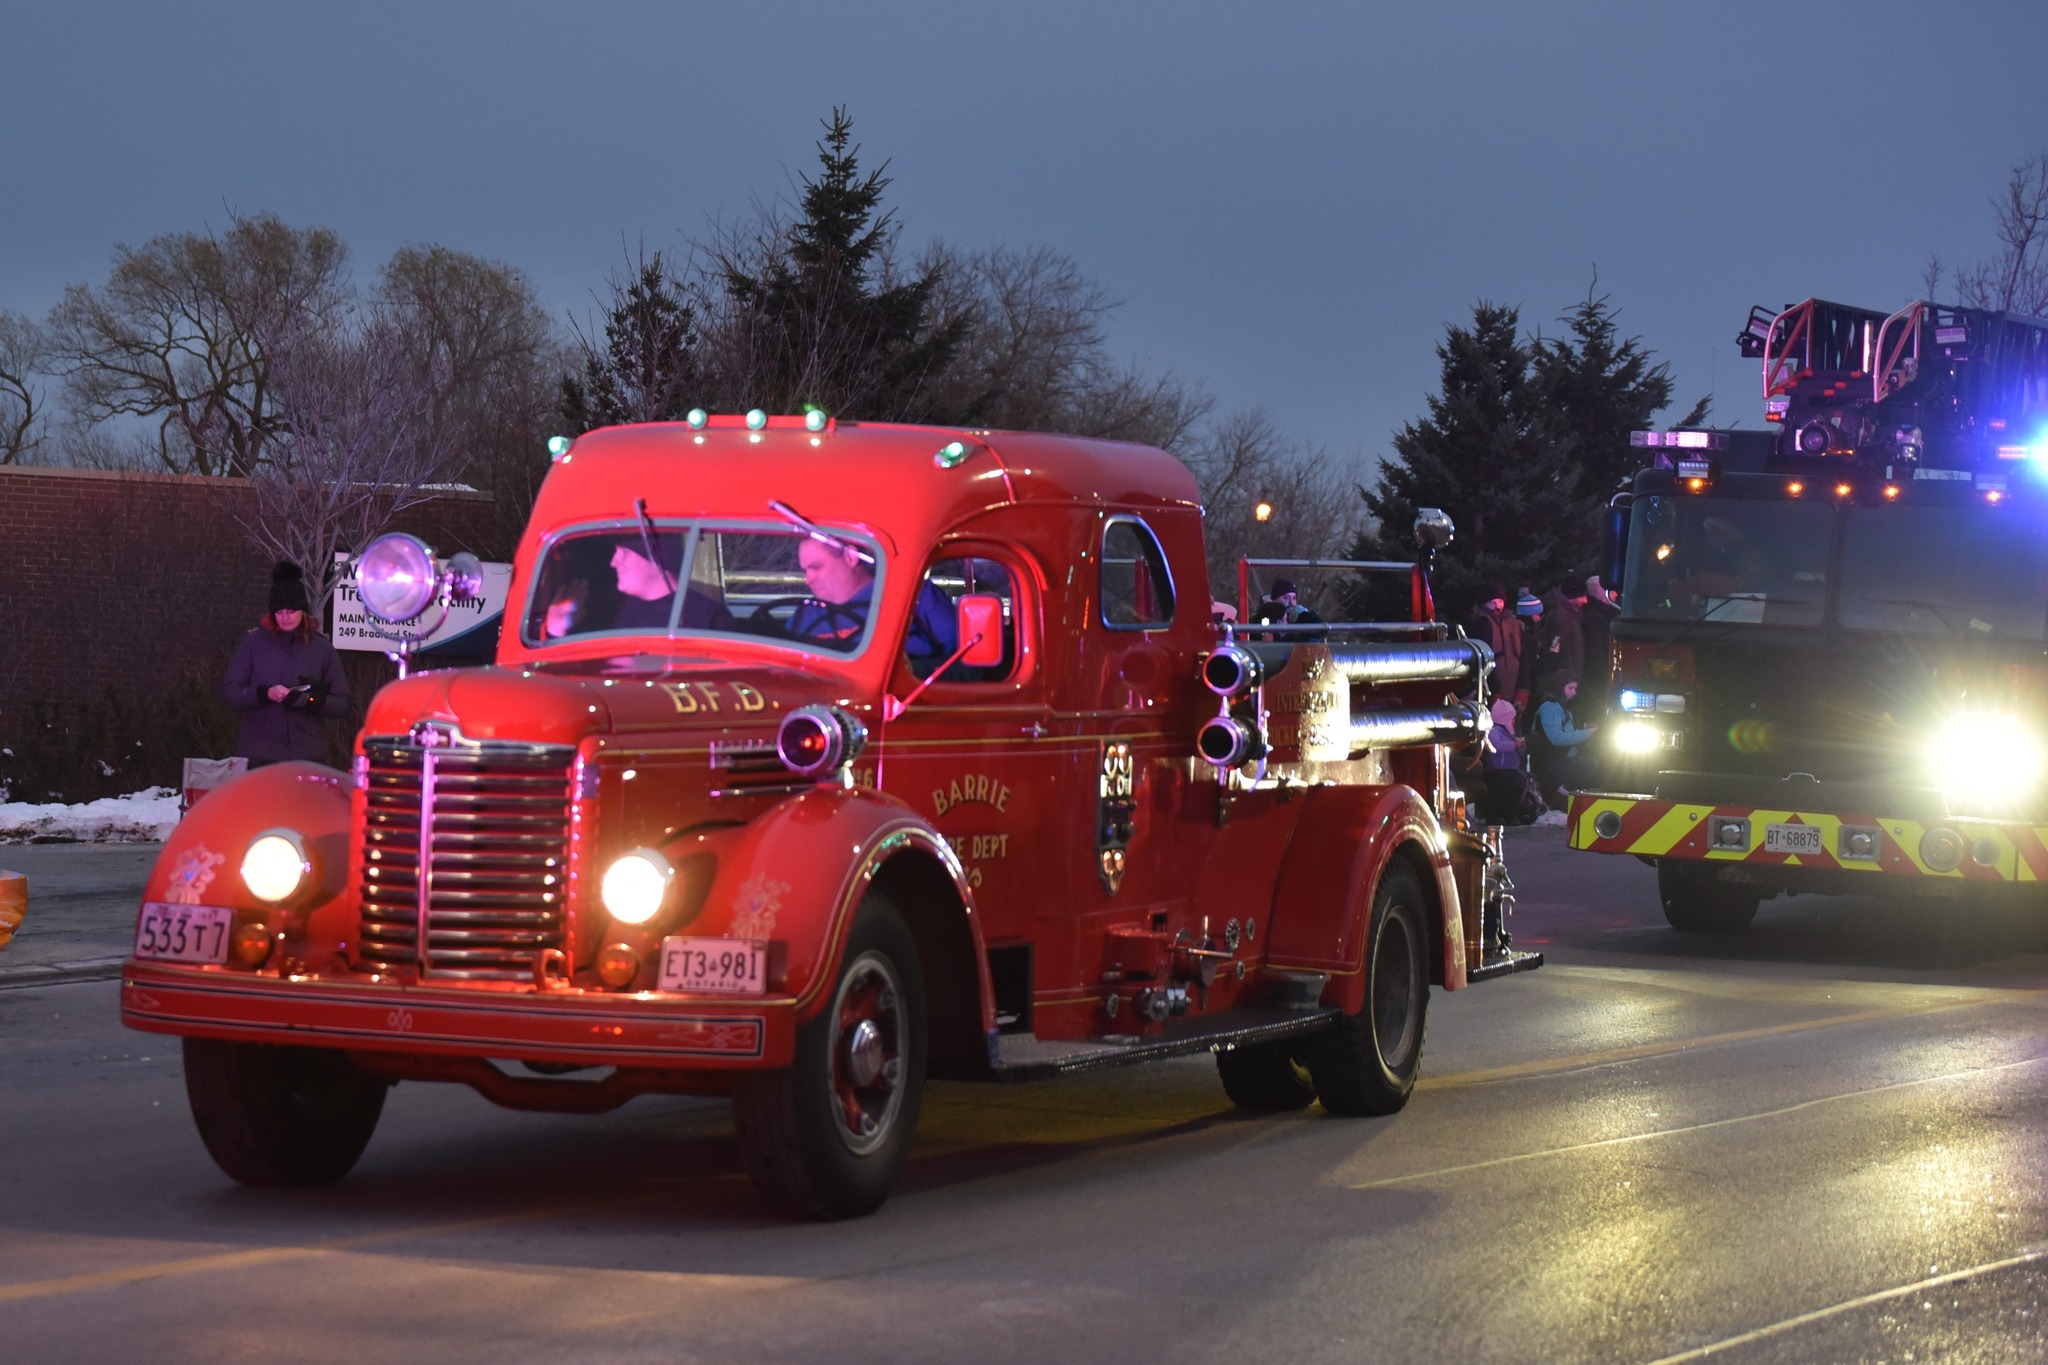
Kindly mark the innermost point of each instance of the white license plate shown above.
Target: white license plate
(722, 966)
(183, 933)
(1791, 838)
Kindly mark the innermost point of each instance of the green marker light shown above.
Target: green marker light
(558, 446)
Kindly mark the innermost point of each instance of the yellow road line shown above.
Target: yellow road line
(1628, 1138)
(1548, 1065)
(255, 1256)
(1850, 1305)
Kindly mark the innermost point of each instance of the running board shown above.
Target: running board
(1018, 1058)
(1503, 964)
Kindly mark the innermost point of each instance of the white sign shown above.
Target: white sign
(355, 628)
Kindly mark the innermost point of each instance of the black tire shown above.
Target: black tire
(827, 1136)
(1696, 903)
(280, 1115)
(1368, 1063)
(1265, 1076)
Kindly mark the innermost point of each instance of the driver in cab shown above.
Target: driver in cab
(842, 583)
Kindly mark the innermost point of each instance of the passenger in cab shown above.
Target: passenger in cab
(842, 584)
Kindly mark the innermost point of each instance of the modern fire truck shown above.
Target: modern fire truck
(819, 758)
(1830, 672)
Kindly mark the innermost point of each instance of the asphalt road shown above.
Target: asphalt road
(1827, 1140)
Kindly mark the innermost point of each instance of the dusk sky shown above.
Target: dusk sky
(1291, 200)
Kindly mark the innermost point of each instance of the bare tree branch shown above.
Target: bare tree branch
(22, 356)
(2016, 280)
(358, 443)
(169, 338)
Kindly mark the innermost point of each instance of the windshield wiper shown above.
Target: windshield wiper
(647, 542)
(1729, 600)
(1939, 614)
(817, 532)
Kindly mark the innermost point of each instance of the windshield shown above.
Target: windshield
(1944, 570)
(762, 580)
(1728, 560)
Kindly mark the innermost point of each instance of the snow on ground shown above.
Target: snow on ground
(144, 817)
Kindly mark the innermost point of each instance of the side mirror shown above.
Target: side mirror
(1433, 529)
(981, 614)
(1614, 544)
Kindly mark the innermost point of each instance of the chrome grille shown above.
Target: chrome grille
(489, 826)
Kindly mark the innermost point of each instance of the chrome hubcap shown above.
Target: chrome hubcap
(870, 1039)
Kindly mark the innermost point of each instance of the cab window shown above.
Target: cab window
(934, 627)
(1137, 590)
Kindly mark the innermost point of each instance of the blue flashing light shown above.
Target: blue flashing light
(951, 455)
(814, 419)
(756, 419)
(697, 417)
(558, 446)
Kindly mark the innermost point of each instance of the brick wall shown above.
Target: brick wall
(133, 581)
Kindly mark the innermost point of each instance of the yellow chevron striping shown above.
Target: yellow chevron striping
(1674, 825)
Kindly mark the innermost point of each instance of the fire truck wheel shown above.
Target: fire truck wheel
(280, 1115)
(1696, 903)
(1265, 1076)
(1367, 1064)
(827, 1137)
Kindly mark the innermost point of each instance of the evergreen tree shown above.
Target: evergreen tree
(1597, 388)
(814, 316)
(647, 367)
(1489, 454)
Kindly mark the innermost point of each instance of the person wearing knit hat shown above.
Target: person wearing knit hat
(1528, 605)
(285, 679)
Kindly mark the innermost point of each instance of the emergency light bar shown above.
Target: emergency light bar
(1679, 440)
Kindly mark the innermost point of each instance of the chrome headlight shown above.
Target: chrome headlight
(813, 741)
(1986, 758)
(636, 886)
(396, 577)
(276, 866)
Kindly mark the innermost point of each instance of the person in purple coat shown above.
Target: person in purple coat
(285, 679)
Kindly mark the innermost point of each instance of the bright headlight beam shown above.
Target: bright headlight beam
(1986, 757)
(274, 867)
(635, 886)
(1637, 737)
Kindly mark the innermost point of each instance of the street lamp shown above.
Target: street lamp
(1263, 512)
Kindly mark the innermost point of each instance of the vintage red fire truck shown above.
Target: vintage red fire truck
(819, 758)
(1831, 664)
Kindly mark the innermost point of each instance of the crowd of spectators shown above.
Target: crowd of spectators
(1549, 688)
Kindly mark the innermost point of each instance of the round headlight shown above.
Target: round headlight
(1986, 758)
(636, 886)
(276, 866)
(395, 577)
(1637, 737)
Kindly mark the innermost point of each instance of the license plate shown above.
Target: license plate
(183, 933)
(721, 966)
(1791, 838)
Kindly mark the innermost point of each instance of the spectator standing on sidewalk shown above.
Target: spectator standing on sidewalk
(1497, 627)
(1529, 615)
(285, 679)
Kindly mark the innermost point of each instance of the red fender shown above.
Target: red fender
(1342, 844)
(797, 874)
(202, 860)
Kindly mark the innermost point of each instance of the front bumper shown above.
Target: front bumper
(585, 1028)
(1984, 851)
